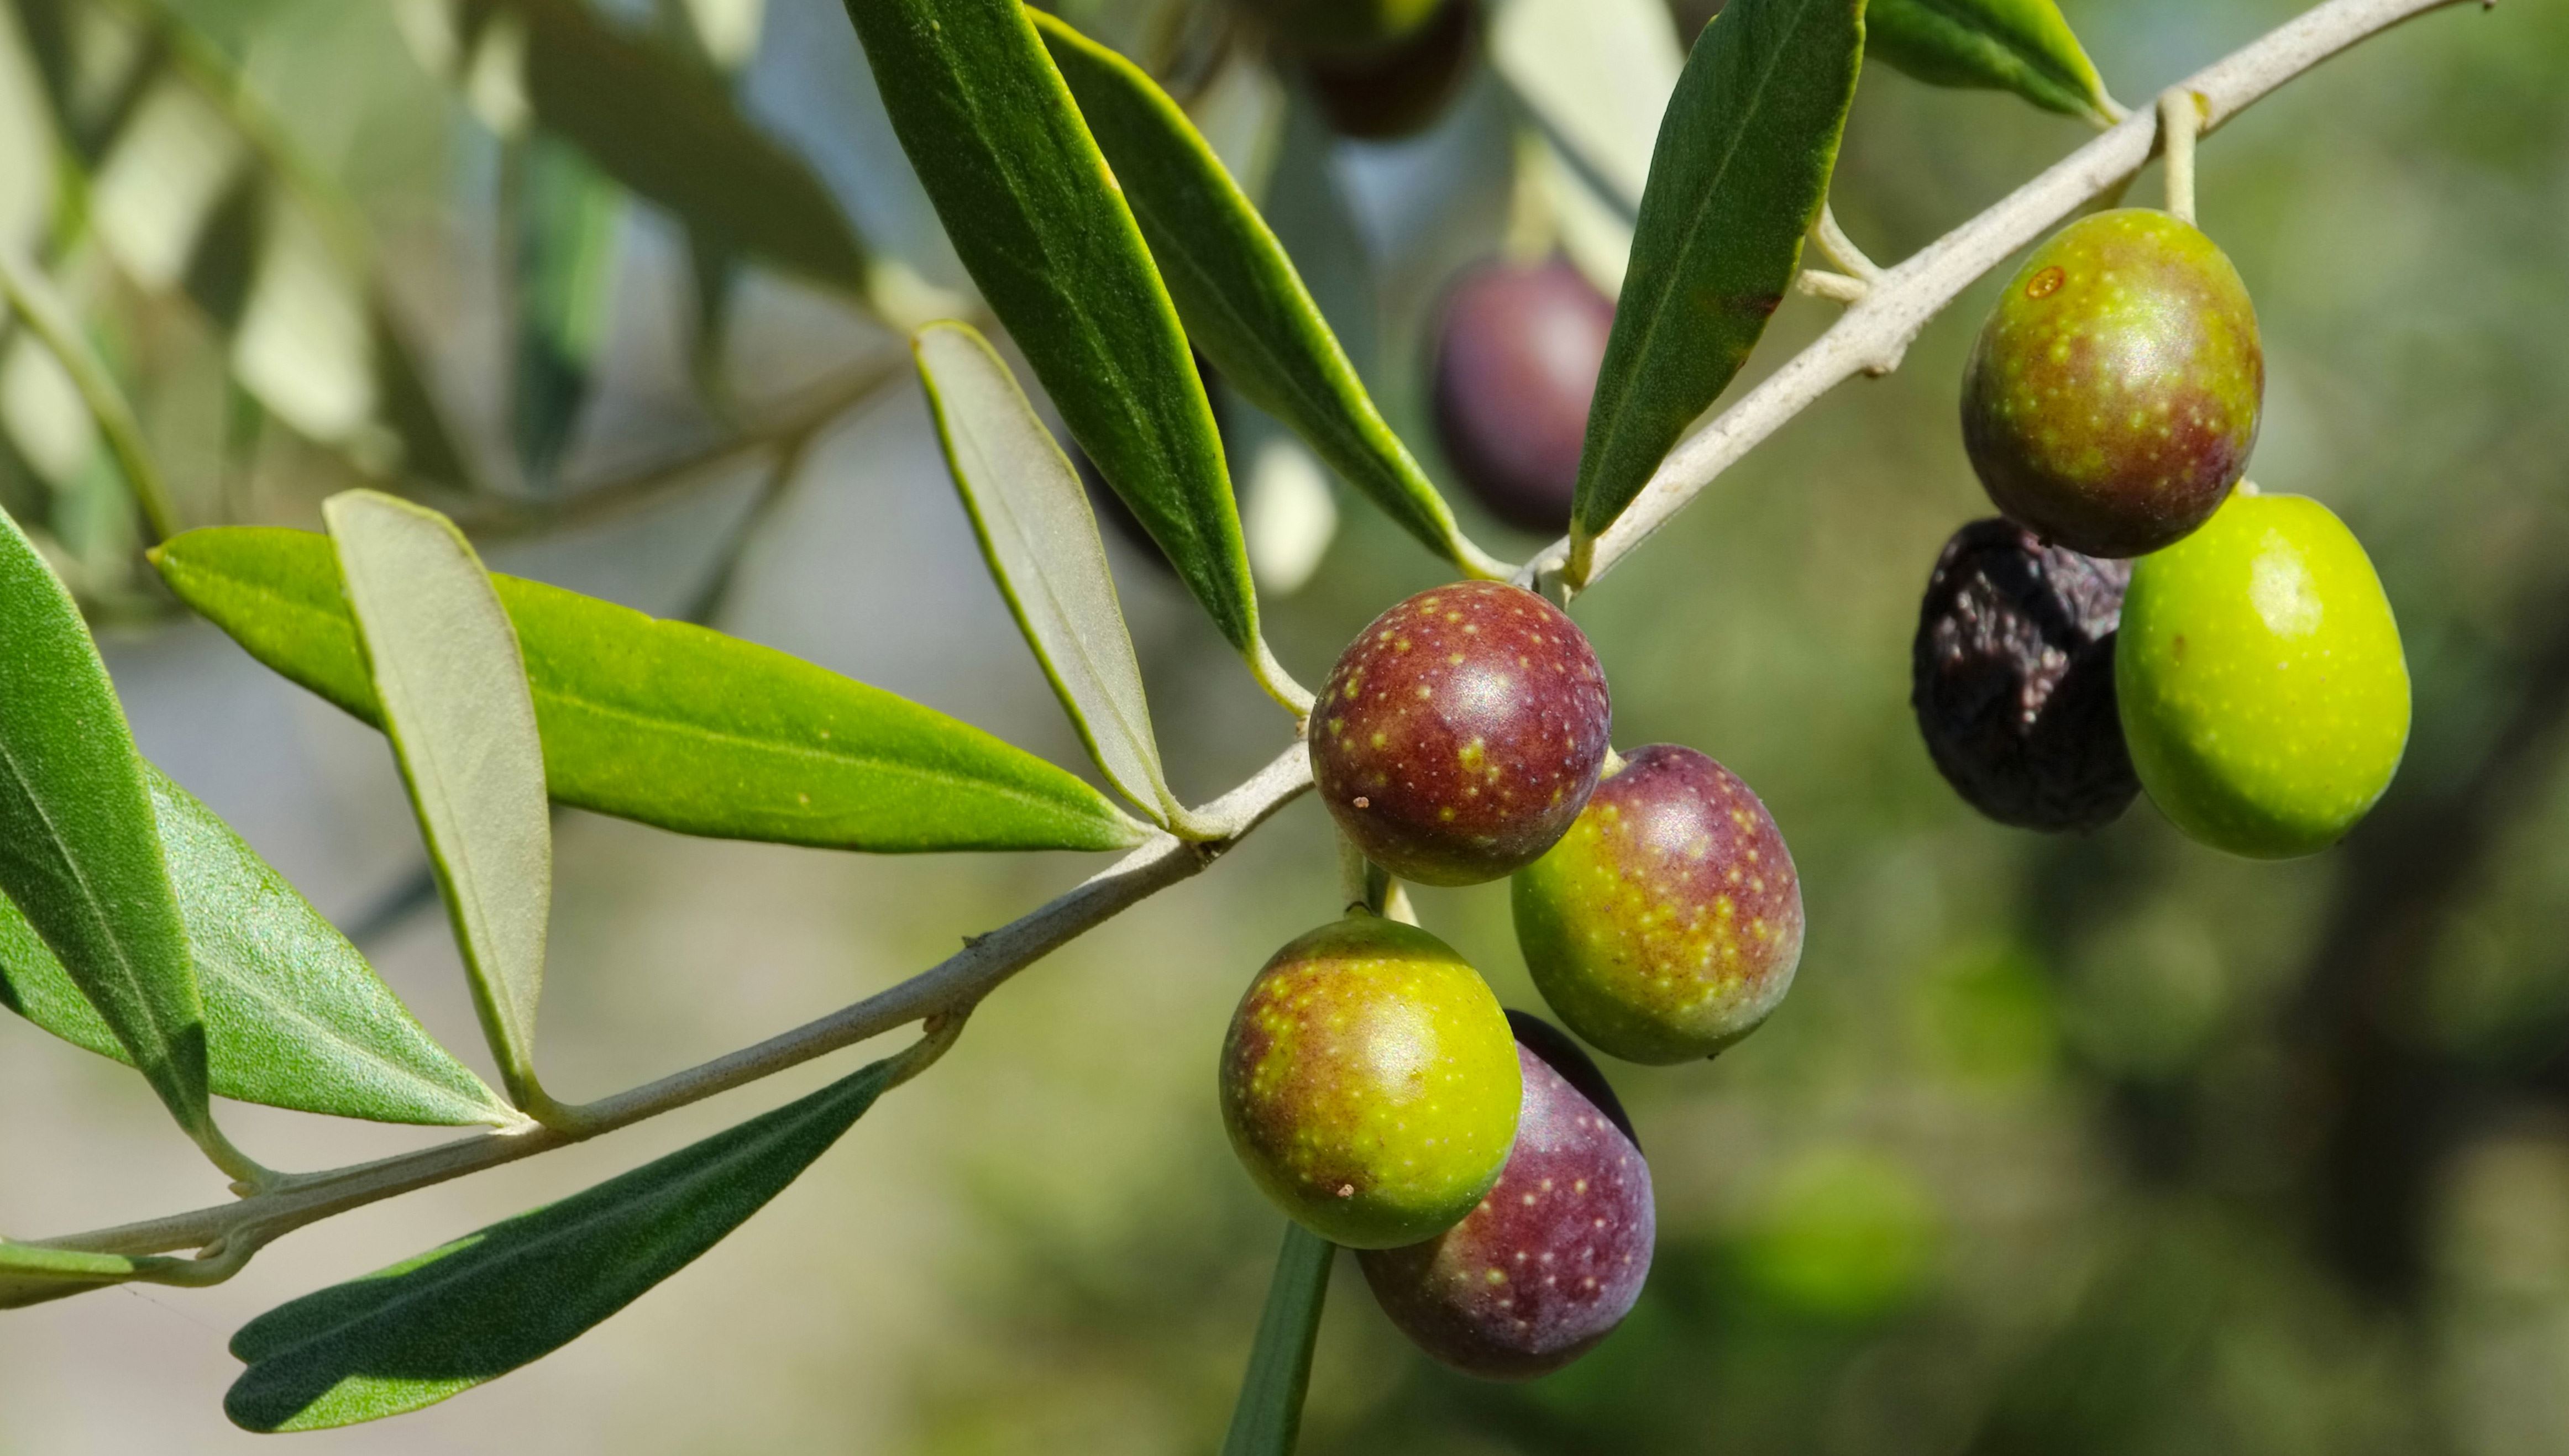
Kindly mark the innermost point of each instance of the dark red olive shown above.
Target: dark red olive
(1382, 95)
(1461, 733)
(1557, 1252)
(1517, 353)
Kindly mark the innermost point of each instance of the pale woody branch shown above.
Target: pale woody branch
(1869, 336)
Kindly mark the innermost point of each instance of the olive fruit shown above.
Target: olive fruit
(2262, 685)
(1517, 353)
(1370, 1083)
(2112, 397)
(1554, 1256)
(2011, 676)
(1460, 733)
(1344, 28)
(1667, 923)
(1392, 93)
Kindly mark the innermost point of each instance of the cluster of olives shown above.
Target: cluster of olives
(1370, 1082)
(2141, 620)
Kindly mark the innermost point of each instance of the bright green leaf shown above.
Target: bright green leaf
(30, 1274)
(1741, 169)
(1268, 1417)
(992, 130)
(446, 670)
(2023, 46)
(1040, 539)
(294, 1016)
(675, 725)
(437, 1324)
(1239, 294)
(78, 852)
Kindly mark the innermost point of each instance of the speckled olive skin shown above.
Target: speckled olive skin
(2264, 692)
(1343, 28)
(1553, 1259)
(1668, 923)
(1461, 733)
(2113, 395)
(1370, 1083)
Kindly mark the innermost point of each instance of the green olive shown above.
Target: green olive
(1371, 1083)
(1344, 28)
(2262, 688)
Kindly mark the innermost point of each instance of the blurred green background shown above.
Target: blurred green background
(2109, 1144)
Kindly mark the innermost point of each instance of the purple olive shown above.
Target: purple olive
(1461, 733)
(1552, 1257)
(1399, 90)
(1515, 367)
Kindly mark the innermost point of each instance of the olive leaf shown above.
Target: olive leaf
(1268, 1417)
(32, 1275)
(672, 724)
(455, 1316)
(453, 686)
(1040, 537)
(2023, 46)
(1742, 168)
(1238, 292)
(567, 216)
(294, 1016)
(79, 854)
(993, 132)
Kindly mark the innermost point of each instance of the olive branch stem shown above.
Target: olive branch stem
(1870, 337)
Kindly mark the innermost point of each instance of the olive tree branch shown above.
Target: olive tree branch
(1876, 329)
(1869, 336)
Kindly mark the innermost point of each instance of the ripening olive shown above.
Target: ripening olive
(1460, 733)
(2263, 690)
(1517, 353)
(1342, 27)
(2011, 676)
(1383, 95)
(1370, 1083)
(1554, 1256)
(1667, 923)
(2113, 394)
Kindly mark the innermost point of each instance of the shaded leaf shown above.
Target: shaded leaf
(1741, 171)
(78, 851)
(1597, 74)
(475, 1309)
(30, 1274)
(2023, 46)
(1031, 514)
(453, 686)
(567, 217)
(672, 724)
(294, 1016)
(1239, 294)
(1268, 1417)
(992, 130)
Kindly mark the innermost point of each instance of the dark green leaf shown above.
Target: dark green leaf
(447, 671)
(30, 1275)
(568, 217)
(1267, 1416)
(294, 1016)
(1739, 174)
(1033, 516)
(674, 725)
(2023, 46)
(1026, 198)
(1239, 294)
(441, 1324)
(78, 851)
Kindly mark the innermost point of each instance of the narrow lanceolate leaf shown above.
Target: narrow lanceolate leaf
(672, 724)
(453, 686)
(1040, 539)
(1268, 1417)
(1741, 169)
(2023, 46)
(477, 1308)
(30, 1275)
(1037, 218)
(1239, 294)
(78, 851)
(660, 124)
(294, 1016)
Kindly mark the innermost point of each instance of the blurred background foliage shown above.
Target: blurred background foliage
(2102, 1145)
